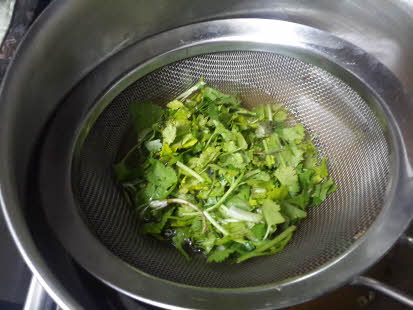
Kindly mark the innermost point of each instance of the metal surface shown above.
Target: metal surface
(382, 28)
(385, 289)
(346, 129)
(6, 13)
(37, 298)
(350, 64)
(407, 240)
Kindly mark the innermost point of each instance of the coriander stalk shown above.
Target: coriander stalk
(269, 112)
(190, 171)
(130, 152)
(189, 92)
(268, 245)
(267, 157)
(160, 204)
(229, 191)
(215, 223)
(210, 139)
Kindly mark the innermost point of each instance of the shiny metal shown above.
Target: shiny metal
(355, 140)
(405, 239)
(385, 289)
(6, 14)
(374, 83)
(382, 28)
(37, 298)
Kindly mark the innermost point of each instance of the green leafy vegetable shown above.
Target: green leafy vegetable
(154, 146)
(209, 175)
(272, 216)
(144, 115)
(160, 179)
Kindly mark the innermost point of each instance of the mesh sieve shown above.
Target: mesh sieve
(348, 133)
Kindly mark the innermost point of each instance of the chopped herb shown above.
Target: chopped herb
(210, 175)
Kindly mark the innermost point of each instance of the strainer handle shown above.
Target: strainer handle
(387, 289)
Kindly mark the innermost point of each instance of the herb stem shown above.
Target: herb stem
(270, 153)
(189, 92)
(190, 171)
(215, 223)
(212, 185)
(210, 139)
(160, 204)
(269, 112)
(267, 157)
(130, 152)
(285, 234)
(229, 191)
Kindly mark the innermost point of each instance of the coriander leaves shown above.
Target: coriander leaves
(208, 174)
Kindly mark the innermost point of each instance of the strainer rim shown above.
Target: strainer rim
(229, 26)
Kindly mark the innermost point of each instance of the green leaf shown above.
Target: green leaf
(238, 202)
(273, 143)
(241, 142)
(175, 105)
(179, 240)
(320, 171)
(231, 168)
(169, 133)
(220, 253)
(272, 215)
(292, 212)
(213, 112)
(260, 111)
(156, 228)
(270, 246)
(264, 129)
(303, 199)
(160, 178)
(234, 160)
(259, 230)
(208, 155)
(154, 145)
(280, 116)
(257, 178)
(238, 231)
(278, 193)
(144, 115)
(206, 242)
(219, 98)
(230, 147)
(290, 157)
(293, 134)
(161, 174)
(321, 191)
(288, 177)
(225, 133)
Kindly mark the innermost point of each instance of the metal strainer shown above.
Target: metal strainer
(354, 130)
(349, 135)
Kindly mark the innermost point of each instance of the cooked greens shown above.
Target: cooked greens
(213, 176)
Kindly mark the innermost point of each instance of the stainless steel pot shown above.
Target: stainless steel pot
(59, 78)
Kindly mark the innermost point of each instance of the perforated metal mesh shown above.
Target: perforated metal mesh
(349, 134)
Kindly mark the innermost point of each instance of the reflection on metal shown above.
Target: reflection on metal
(36, 297)
(6, 13)
(405, 239)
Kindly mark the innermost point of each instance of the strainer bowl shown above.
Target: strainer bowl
(348, 133)
(355, 129)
